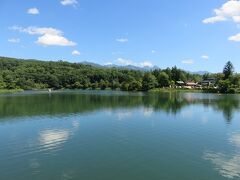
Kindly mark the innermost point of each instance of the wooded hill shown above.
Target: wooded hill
(34, 74)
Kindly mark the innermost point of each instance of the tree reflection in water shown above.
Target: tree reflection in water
(31, 104)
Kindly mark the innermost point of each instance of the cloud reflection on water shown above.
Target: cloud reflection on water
(228, 165)
(147, 112)
(51, 139)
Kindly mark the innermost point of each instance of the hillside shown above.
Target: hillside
(35, 74)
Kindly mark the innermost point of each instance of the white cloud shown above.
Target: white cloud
(69, 2)
(213, 20)
(235, 38)
(33, 11)
(146, 64)
(122, 40)
(236, 19)
(205, 57)
(32, 30)
(14, 40)
(108, 64)
(153, 51)
(188, 61)
(47, 36)
(76, 53)
(54, 40)
(228, 11)
(127, 62)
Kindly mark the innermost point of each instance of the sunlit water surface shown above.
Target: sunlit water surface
(107, 135)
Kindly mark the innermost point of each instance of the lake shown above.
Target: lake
(112, 135)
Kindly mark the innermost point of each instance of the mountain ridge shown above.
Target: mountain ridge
(127, 67)
(132, 67)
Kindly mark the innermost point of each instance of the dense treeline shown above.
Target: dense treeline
(226, 82)
(32, 74)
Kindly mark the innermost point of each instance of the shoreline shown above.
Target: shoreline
(155, 90)
(10, 91)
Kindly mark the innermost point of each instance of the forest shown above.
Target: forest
(36, 75)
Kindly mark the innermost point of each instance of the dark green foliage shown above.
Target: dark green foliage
(115, 84)
(149, 81)
(163, 80)
(232, 91)
(125, 86)
(224, 86)
(228, 70)
(32, 74)
(2, 83)
(174, 75)
(235, 80)
(135, 85)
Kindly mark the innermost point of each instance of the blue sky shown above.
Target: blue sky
(193, 35)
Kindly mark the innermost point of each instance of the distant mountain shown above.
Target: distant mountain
(91, 64)
(137, 68)
(128, 67)
(131, 67)
(200, 72)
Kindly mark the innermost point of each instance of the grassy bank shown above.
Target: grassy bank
(210, 90)
(175, 90)
(155, 90)
(10, 91)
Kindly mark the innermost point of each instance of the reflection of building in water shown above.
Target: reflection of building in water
(228, 165)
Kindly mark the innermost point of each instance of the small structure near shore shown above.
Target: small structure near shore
(180, 84)
(191, 84)
(187, 85)
(208, 82)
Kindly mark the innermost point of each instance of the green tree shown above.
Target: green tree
(135, 86)
(206, 76)
(2, 83)
(102, 84)
(228, 70)
(94, 85)
(125, 86)
(149, 82)
(53, 81)
(115, 84)
(235, 80)
(10, 81)
(175, 74)
(163, 80)
(77, 85)
(224, 86)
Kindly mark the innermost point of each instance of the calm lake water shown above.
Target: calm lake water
(107, 135)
